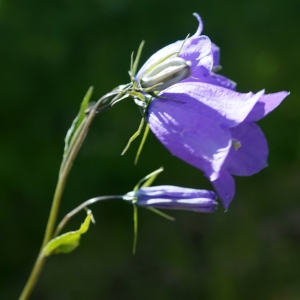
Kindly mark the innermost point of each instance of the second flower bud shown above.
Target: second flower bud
(165, 74)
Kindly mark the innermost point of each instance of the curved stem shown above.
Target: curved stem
(64, 172)
(62, 179)
(81, 207)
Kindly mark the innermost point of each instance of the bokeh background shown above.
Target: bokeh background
(50, 53)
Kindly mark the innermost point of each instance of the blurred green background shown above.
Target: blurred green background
(50, 53)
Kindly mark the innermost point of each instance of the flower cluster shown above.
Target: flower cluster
(201, 119)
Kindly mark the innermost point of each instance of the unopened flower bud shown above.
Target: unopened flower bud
(166, 74)
(174, 197)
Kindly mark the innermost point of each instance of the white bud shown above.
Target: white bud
(167, 73)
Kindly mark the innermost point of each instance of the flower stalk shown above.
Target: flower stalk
(80, 207)
(65, 168)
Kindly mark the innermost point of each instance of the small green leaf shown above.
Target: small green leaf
(67, 242)
(78, 120)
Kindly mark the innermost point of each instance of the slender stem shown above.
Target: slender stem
(64, 172)
(62, 179)
(81, 207)
(35, 273)
(76, 134)
(135, 227)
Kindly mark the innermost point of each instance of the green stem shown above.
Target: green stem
(81, 207)
(35, 273)
(62, 180)
(66, 155)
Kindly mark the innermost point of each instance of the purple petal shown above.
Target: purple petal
(252, 156)
(230, 107)
(202, 75)
(216, 54)
(266, 104)
(190, 130)
(198, 51)
(173, 192)
(173, 197)
(198, 204)
(225, 187)
(224, 81)
(200, 26)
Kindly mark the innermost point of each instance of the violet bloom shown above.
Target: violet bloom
(205, 122)
(173, 197)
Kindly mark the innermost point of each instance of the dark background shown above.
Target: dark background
(50, 53)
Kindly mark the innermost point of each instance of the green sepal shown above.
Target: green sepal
(136, 134)
(137, 59)
(131, 67)
(78, 120)
(147, 180)
(137, 95)
(151, 177)
(142, 144)
(160, 213)
(67, 242)
(183, 44)
(113, 102)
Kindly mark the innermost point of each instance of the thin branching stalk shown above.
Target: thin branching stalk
(62, 179)
(82, 206)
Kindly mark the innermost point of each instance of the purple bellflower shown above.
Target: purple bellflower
(204, 121)
(173, 197)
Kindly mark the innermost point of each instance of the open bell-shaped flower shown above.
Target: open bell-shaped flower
(205, 122)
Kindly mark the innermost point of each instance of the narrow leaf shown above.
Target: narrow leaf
(78, 120)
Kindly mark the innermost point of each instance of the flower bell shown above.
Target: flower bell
(165, 74)
(203, 120)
